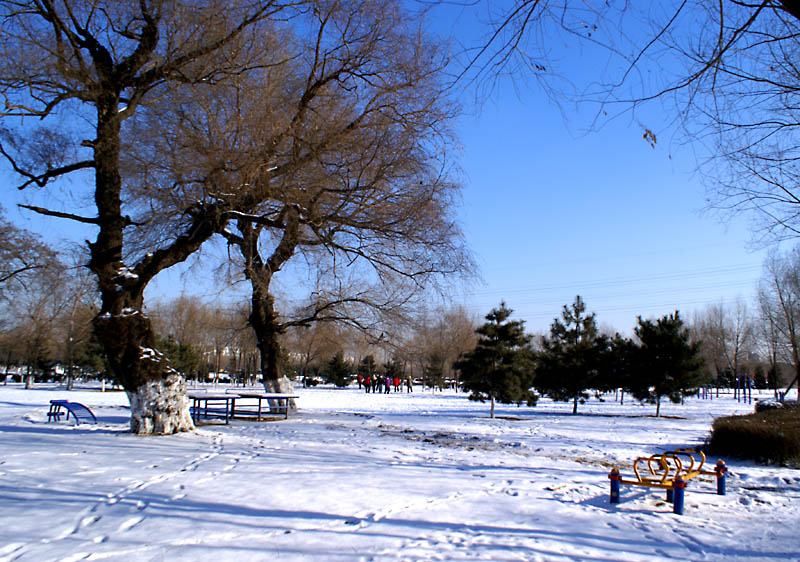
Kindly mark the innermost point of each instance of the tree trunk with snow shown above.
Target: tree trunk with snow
(157, 393)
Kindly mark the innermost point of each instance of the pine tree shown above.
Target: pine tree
(617, 371)
(572, 356)
(394, 368)
(433, 371)
(500, 367)
(668, 363)
(367, 366)
(337, 371)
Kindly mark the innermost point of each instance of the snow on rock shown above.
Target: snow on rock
(355, 476)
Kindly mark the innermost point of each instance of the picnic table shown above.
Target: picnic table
(276, 403)
(212, 405)
(237, 403)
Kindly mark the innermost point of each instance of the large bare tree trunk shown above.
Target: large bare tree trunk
(264, 322)
(157, 393)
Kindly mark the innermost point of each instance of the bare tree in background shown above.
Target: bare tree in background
(310, 345)
(769, 340)
(727, 336)
(72, 72)
(22, 254)
(38, 312)
(440, 337)
(80, 309)
(779, 296)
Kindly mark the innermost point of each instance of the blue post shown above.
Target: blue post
(678, 486)
(615, 478)
(720, 469)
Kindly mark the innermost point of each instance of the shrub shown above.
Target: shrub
(769, 436)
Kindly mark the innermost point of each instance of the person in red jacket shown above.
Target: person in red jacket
(397, 384)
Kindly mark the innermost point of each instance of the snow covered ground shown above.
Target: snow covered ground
(357, 476)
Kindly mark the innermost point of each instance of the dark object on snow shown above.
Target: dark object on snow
(79, 412)
(770, 404)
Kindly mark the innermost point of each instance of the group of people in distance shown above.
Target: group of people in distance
(383, 384)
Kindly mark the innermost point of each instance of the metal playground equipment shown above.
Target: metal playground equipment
(670, 471)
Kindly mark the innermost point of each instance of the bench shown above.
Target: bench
(79, 412)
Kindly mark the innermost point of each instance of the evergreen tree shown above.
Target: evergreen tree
(572, 357)
(337, 371)
(393, 368)
(618, 366)
(367, 366)
(433, 371)
(668, 363)
(182, 356)
(500, 368)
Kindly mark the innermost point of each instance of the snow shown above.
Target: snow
(356, 476)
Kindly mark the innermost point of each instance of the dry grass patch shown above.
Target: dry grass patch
(769, 437)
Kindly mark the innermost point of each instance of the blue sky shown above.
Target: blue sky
(552, 212)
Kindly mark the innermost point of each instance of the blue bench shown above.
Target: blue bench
(79, 412)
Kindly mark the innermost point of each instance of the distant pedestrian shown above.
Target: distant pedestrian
(409, 384)
(367, 383)
(359, 379)
(387, 384)
(397, 384)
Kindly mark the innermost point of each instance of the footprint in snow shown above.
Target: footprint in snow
(86, 521)
(130, 523)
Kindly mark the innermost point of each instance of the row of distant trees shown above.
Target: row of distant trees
(665, 358)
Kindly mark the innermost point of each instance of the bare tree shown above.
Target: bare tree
(779, 295)
(37, 313)
(769, 339)
(310, 345)
(78, 312)
(727, 337)
(85, 67)
(357, 183)
(22, 254)
(440, 337)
